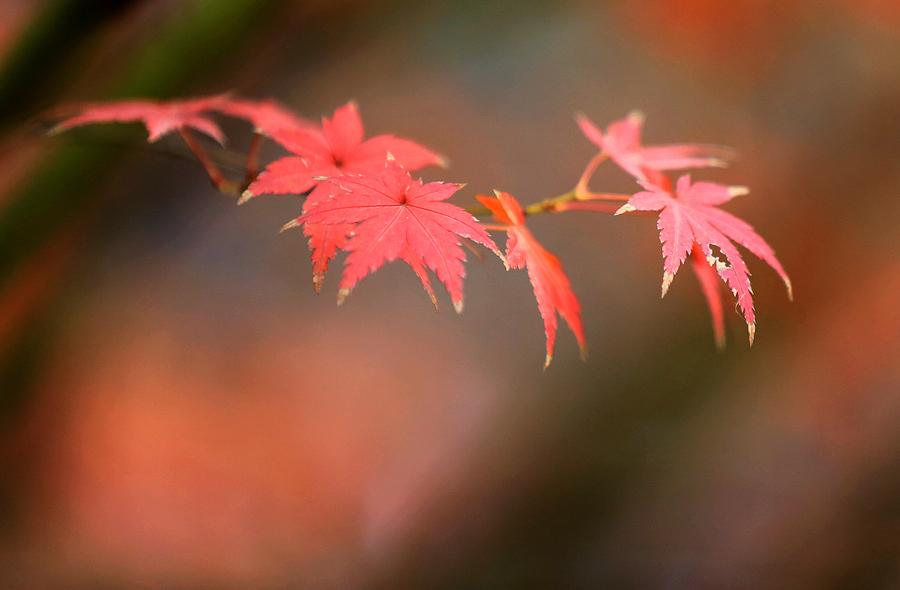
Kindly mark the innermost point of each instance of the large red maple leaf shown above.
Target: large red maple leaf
(160, 118)
(551, 285)
(337, 149)
(622, 143)
(688, 218)
(399, 217)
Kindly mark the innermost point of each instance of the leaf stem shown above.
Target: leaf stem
(581, 187)
(596, 206)
(218, 179)
(252, 161)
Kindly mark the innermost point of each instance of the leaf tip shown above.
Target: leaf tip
(245, 196)
(667, 280)
(342, 296)
(457, 305)
(790, 288)
(503, 258)
(584, 352)
(318, 279)
(751, 329)
(290, 224)
(636, 116)
(547, 361)
(738, 191)
(626, 208)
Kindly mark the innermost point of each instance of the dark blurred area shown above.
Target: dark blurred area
(179, 409)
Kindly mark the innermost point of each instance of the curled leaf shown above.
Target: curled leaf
(551, 285)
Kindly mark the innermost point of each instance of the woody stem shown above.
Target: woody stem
(553, 205)
(583, 202)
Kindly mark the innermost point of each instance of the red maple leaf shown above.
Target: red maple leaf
(551, 285)
(401, 218)
(160, 118)
(336, 150)
(688, 218)
(622, 143)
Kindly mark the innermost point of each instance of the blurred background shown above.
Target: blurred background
(179, 409)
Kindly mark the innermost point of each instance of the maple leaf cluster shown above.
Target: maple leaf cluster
(361, 199)
(689, 222)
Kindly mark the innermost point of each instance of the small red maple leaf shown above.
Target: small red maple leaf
(160, 118)
(689, 217)
(398, 217)
(337, 149)
(551, 285)
(622, 143)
